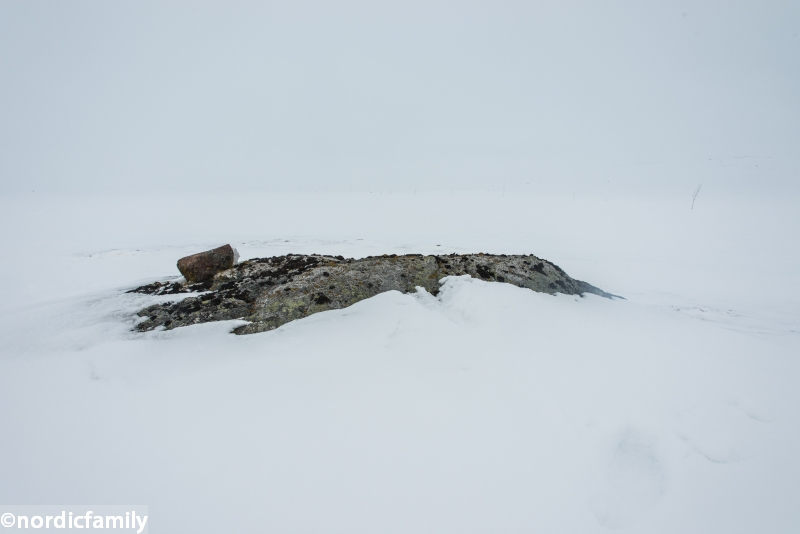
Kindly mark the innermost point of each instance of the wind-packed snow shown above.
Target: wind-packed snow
(489, 408)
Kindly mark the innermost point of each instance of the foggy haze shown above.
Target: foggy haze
(650, 149)
(539, 96)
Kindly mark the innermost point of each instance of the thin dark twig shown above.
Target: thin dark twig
(694, 197)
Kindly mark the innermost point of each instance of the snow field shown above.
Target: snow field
(487, 408)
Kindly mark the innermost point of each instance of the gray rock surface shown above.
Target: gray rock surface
(269, 292)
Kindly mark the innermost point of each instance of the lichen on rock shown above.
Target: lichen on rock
(269, 292)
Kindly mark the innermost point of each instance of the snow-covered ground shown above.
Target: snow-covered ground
(489, 408)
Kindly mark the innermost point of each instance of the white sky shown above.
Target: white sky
(207, 96)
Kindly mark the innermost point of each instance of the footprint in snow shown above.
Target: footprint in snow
(633, 481)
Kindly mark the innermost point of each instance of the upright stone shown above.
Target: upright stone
(204, 265)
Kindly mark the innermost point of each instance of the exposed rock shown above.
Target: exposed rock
(172, 288)
(204, 265)
(270, 292)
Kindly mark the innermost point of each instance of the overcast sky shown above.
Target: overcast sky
(203, 96)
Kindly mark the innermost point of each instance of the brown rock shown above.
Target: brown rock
(203, 266)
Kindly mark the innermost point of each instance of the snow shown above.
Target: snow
(488, 408)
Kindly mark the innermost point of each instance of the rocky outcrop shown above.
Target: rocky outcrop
(269, 292)
(203, 266)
